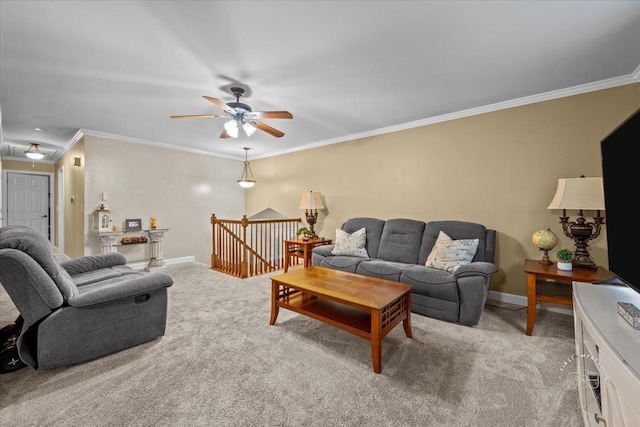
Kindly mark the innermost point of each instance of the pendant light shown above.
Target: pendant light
(246, 180)
(34, 152)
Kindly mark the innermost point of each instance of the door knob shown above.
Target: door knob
(44, 216)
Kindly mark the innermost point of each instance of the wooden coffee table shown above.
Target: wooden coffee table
(364, 306)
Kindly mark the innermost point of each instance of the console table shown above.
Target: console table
(110, 241)
(607, 356)
(549, 291)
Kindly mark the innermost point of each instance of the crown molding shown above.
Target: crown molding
(153, 143)
(547, 96)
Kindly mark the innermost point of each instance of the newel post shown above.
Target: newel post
(214, 251)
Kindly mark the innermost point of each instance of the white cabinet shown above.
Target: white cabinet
(607, 355)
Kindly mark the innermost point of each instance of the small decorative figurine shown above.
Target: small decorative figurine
(154, 222)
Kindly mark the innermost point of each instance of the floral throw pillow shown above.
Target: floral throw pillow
(351, 244)
(449, 255)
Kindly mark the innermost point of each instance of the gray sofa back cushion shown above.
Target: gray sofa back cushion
(38, 247)
(459, 230)
(401, 239)
(374, 232)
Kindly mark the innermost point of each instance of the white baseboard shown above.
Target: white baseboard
(520, 300)
(141, 265)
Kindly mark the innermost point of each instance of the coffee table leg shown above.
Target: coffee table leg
(376, 341)
(274, 300)
(406, 323)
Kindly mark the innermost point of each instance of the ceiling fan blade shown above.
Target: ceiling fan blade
(220, 104)
(271, 114)
(268, 129)
(197, 116)
(224, 134)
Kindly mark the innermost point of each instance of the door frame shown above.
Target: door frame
(52, 216)
(60, 208)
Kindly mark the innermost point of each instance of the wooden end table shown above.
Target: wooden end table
(300, 248)
(551, 292)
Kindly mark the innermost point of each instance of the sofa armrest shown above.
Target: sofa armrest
(478, 268)
(128, 286)
(93, 262)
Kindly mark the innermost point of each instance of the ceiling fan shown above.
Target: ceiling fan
(241, 117)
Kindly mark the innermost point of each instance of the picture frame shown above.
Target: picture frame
(134, 224)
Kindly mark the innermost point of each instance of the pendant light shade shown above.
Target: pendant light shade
(34, 152)
(246, 180)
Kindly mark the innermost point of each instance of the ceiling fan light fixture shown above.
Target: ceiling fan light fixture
(34, 152)
(246, 180)
(249, 128)
(232, 128)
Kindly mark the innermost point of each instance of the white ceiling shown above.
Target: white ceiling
(343, 69)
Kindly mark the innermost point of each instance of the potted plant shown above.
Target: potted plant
(305, 232)
(565, 257)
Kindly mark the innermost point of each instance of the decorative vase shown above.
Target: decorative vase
(566, 266)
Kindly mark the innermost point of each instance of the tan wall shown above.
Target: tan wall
(182, 190)
(74, 188)
(27, 166)
(499, 169)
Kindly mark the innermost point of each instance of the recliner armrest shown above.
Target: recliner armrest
(124, 287)
(478, 268)
(93, 262)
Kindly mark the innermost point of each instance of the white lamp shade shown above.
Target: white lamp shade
(232, 128)
(311, 200)
(579, 193)
(34, 155)
(249, 128)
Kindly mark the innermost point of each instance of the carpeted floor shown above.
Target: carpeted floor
(221, 364)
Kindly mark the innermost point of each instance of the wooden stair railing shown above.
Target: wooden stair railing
(245, 248)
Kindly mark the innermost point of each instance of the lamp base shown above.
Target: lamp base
(581, 232)
(312, 218)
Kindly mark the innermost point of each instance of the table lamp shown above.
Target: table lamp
(580, 194)
(311, 202)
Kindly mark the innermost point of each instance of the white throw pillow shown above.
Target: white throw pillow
(351, 244)
(449, 255)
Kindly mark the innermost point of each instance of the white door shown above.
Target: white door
(28, 201)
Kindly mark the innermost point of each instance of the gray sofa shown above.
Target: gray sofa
(80, 309)
(398, 250)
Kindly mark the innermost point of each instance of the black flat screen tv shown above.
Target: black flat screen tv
(620, 179)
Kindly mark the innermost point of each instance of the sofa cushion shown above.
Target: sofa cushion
(400, 241)
(344, 263)
(381, 269)
(351, 244)
(449, 255)
(431, 282)
(374, 232)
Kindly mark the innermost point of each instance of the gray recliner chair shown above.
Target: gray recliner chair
(81, 309)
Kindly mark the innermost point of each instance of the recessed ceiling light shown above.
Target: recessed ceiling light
(40, 129)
